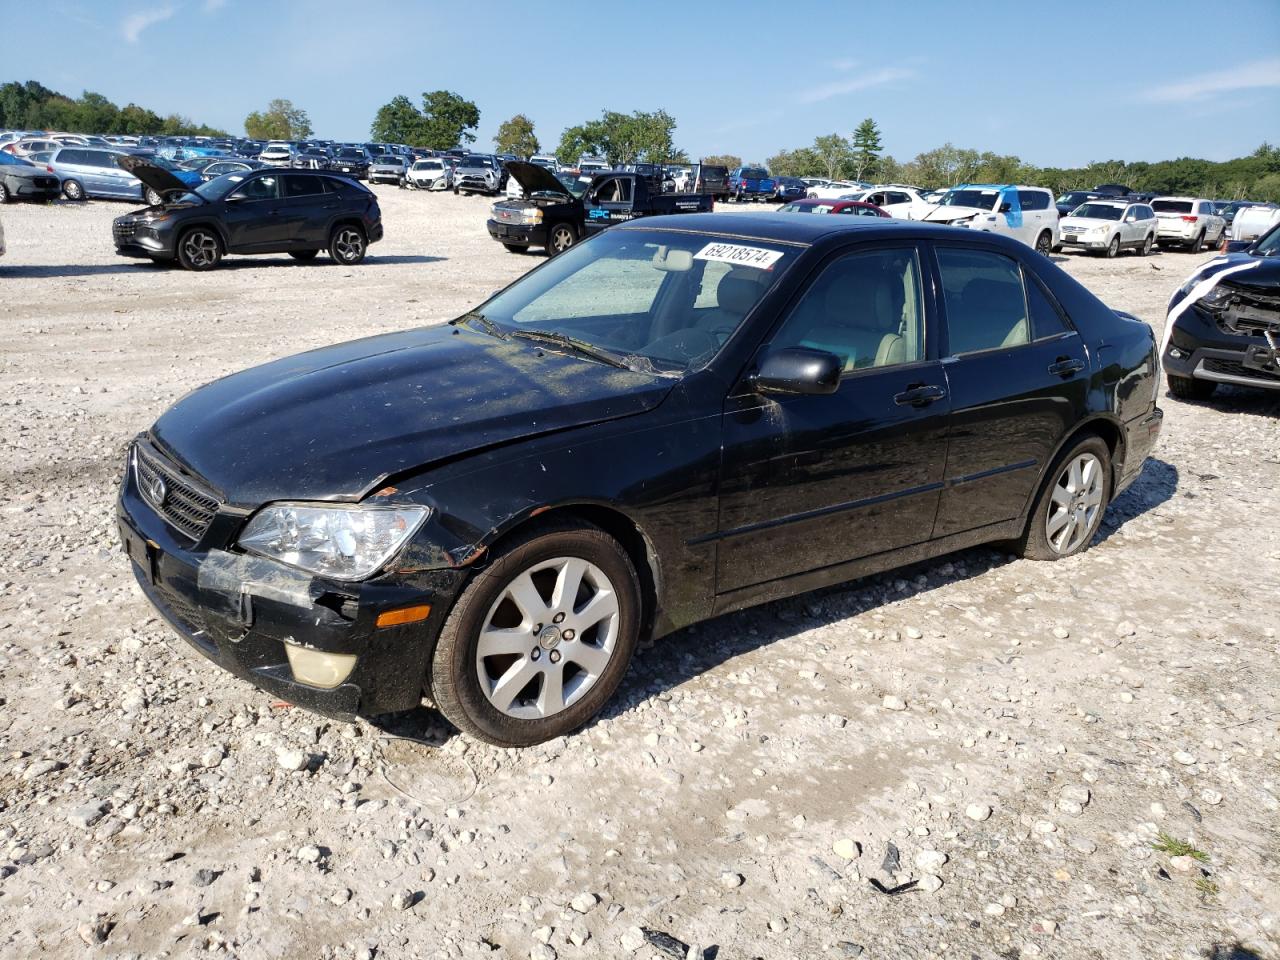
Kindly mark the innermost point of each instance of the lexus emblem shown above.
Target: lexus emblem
(157, 490)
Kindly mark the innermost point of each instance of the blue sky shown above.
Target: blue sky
(1044, 80)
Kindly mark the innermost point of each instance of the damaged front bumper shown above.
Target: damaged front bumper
(1225, 346)
(310, 641)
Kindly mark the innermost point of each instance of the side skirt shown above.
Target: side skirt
(864, 566)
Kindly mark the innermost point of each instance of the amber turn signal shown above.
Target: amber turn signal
(396, 618)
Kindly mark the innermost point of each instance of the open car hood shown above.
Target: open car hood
(157, 178)
(536, 179)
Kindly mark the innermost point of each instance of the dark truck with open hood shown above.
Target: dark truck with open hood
(551, 217)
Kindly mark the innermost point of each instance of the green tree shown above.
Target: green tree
(835, 155)
(729, 160)
(516, 136)
(801, 162)
(623, 138)
(866, 150)
(398, 121)
(447, 120)
(280, 121)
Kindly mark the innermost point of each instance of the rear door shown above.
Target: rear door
(307, 210)
(1036, 207)
(1017, 374)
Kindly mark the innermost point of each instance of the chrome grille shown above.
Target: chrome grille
(186, 507)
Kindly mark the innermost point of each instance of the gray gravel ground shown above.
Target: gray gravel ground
(1013, 736)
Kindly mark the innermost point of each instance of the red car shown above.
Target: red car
(853, 207)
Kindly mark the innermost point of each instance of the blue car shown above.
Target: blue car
(750, 183)
(89, 172)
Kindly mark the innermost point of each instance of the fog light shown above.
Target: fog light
(316, 668)
(1176, 353)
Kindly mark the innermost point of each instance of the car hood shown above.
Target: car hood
(157, 178)
(1265, 274)
(536, 179)
(335, 423)
(1085, 223)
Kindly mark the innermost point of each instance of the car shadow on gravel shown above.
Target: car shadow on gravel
(690, 652)
(39, 271)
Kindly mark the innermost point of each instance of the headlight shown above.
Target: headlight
(1191, 281)
(343, 542)
(532, 216)
(1217, 297)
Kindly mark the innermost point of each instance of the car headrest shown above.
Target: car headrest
(738, 291)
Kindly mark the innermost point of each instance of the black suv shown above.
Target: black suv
(260, 211)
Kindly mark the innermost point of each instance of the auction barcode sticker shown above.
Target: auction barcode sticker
(757, 257)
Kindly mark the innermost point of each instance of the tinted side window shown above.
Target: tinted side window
(301, 185)
(1046, 319)
(334, 185)
(866, 308)
(1033, 200)
(259, 188)
(71, 156)
(986, 305)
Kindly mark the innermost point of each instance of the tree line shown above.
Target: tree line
(32, 106)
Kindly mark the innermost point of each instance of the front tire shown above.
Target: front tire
(1069, 509)
(538, 641)
(304, 256)
(1188, 388)
(1113, 248)
(348, 244)
(72, 190)
(560, 238)
(5, 196)
(152, 197)
(515, 247)
(199, 249)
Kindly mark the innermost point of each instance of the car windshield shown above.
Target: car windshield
(476, 162)
(1072, 199)
(351, 153)
(1171, 206)
(573, 184)
(656, 301)
(1098, 211)
(1268, 245)
(217, 188)
(981, 199)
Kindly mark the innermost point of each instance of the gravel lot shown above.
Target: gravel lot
(1012, 735)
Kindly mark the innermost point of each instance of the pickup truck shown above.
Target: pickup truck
(551, 217)
(750, 183)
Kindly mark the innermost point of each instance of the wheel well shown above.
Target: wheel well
(619, 526)
(345, 222)
(1111, 436)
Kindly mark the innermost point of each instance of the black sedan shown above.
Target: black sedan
(255, 212)
(1223, 324)
(680, 417)
(23, 180)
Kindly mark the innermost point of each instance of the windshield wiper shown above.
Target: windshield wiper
(484, 322)
(580, 347)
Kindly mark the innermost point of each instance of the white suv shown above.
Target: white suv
(1024, 213)
(905, 203)
(1109, 226)
(1187, 222)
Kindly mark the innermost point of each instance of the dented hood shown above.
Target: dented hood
(157, 178)
(334, 423)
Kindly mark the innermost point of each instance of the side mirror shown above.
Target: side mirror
(235, 198)
(798, 370)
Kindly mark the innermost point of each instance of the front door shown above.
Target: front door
(1017, 374)
(254, 215)
(810, 481)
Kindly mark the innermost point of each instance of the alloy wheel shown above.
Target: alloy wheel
(201, 248)
(1044, 244)
(1076, 504)
(548, 638)
(561, 239)
(349, 244)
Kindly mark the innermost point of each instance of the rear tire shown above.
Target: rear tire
(1188, 388)
(348, 244)
(1070, 507)
(199, 249)
(1147, 244)
(1044, 243)
(72, 190)
(5, 196)
(1198, 244)
(304, 256)
(489, 604)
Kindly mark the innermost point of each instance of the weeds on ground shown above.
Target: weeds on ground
(1206, 886)
(1178, 848)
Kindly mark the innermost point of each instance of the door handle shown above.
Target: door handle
(919, 396)
(1066, 366)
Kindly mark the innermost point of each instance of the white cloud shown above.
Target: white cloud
(131, 27)
(1247, 76)
(840, 87)
(211, 6)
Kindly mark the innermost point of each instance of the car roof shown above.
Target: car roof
(788, 228)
